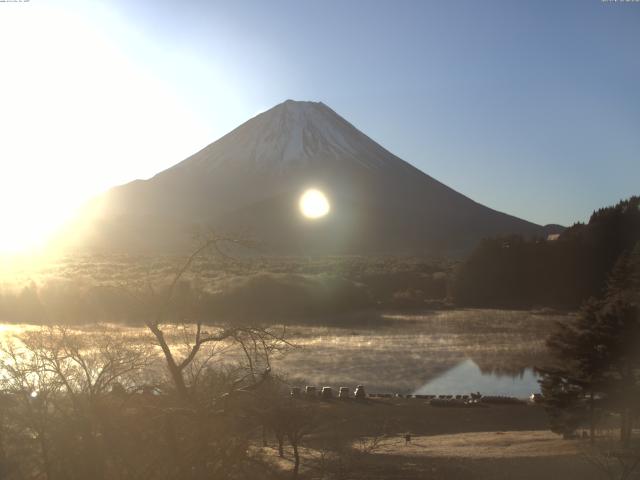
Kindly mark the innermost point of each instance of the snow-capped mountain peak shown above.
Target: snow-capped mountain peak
(296, 133)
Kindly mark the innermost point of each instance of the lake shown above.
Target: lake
(467, 377)
(437, 352)
(441, 352)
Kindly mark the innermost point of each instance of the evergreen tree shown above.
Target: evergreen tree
(598, 356)
(571, 387)
(515, 272)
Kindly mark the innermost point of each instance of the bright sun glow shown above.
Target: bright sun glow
(80, 113)
(314, 204)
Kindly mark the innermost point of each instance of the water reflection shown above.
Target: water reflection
(467, 377)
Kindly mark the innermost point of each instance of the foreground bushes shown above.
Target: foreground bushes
(78, 406)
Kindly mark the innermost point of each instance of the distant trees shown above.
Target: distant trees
(514, 272)
(280, 290)
(597, 368)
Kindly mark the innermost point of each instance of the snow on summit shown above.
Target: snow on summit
(293, 133)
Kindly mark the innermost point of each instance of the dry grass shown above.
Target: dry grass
(497, 442)
(509, 444)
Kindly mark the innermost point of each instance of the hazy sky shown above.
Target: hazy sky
(532, 108)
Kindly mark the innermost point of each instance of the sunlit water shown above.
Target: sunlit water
(445, 352)
(491, 351)
(467, 377)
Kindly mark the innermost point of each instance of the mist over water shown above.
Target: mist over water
(443, 352)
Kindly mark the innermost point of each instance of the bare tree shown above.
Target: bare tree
(209, 398)
(60, 381)
(177, 305)
(302, 419)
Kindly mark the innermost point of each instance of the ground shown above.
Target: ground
(353, 440)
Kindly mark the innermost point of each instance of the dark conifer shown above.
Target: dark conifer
(598, 356)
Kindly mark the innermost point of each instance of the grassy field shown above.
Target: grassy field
(356, 441)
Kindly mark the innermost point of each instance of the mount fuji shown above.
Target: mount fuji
(249, 181)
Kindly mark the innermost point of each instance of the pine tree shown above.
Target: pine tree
(571, 387)
(598, 356)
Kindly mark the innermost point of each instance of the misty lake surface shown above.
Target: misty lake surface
(440, 352)
(437, 352)
(467, 377)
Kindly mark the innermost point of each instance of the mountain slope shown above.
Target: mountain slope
(250, 180)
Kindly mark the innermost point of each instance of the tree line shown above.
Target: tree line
(515, 272)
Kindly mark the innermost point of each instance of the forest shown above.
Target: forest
(562, 272)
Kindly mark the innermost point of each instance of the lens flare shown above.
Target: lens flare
(314, 204)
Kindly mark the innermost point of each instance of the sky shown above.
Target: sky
(532, 108)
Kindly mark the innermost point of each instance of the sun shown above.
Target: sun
(314, 204)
